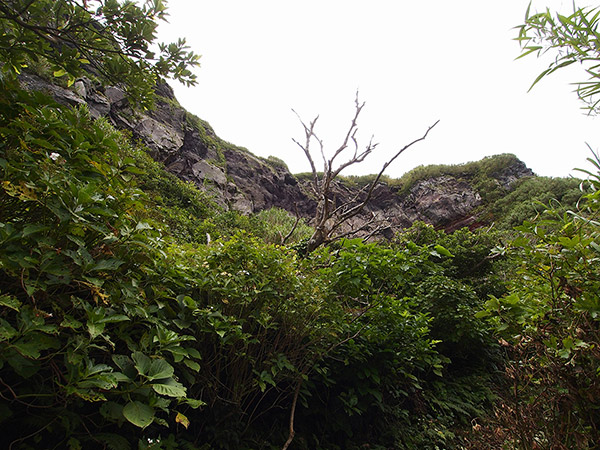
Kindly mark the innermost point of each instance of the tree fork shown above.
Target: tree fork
(329, 217)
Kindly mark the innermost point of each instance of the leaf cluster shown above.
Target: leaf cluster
(111, 328)
(548, 323)
(410, 336)
(86, 337)
(115, 41)
(573, 39)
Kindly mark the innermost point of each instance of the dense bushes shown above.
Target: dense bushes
(531, 196)
(549, 327)
(398, 381)
(117, 334)
(123, 326)
(136, 313)
(86, 341)
(107, 325)
(479, 172)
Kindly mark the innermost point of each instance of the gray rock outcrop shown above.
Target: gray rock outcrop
(237, 179)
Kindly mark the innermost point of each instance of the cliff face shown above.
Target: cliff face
(237, 179)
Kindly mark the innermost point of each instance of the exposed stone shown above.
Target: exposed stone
(116, 96)
(62, 95)
(440, 201)
(79, 88)
(158, 136)
(512, 173)
(164, 90)
(98, 104)
(204, 171)
(239, 180)
(242, 204)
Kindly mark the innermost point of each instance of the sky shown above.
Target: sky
(412, 63)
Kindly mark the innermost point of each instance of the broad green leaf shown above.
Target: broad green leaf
(126, 365)
(192, 365)
(34, 228)
(104, 381)
(138, 413)
(111, 410)
(89, 395)
(142, 362)
(95, 329)
(91, 370)
(107, 264)
(443, 251)
(70, 322)
(43, 143)
(114, 319)
(7, 332)
(193, 352)
(170, 388)
(24, 367)
(118, 376)
(77, 240)
(482, 314)
(159, 369)
(194, 403)
(32, 344)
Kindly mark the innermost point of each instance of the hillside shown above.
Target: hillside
(150, 297)
(447, 197)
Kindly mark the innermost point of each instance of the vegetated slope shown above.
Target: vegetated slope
(121, 328)
(448, 197)
(124, 325)
(115, 332)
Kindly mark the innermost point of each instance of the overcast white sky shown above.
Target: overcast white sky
(412, 62)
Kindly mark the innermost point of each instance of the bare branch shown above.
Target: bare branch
(358, 208)
(289, 235)
(350, 136)
(353, 231)
(292, 414)
(309, 135)
(375, 231)
(330, 216)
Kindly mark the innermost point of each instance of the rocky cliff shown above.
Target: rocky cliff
(237, 179)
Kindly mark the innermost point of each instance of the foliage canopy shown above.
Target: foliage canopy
(113, 40)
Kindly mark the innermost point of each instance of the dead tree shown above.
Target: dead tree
(330, 217)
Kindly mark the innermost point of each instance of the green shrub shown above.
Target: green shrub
(89, 351)
(178, 205)
(274, 161)
(548, 323)
(113, 333)
(531, 196)
(392, 382)
(476, 171)
(274, 224)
